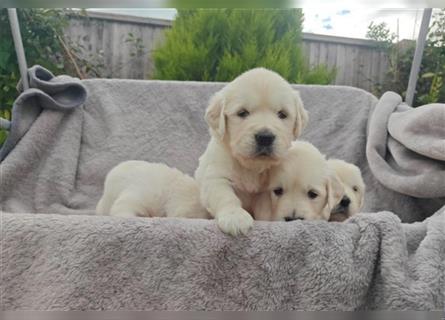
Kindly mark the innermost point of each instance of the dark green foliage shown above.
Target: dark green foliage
(44, 43)
(219, 44)
(39, 30)
(430, 86)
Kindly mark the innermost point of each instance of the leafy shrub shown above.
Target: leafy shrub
(39, 29)
(219, 44)
(430, 86)
(44, 44)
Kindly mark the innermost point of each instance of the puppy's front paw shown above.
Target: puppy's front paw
(235, 221)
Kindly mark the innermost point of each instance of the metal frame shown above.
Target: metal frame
(18, 44)
(413, 77)
(418, 54)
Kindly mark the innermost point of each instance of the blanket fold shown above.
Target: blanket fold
(406, 147)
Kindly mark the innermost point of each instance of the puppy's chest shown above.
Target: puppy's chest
(249, 182)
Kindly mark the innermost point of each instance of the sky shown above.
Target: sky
(343, 22)
(354, 23)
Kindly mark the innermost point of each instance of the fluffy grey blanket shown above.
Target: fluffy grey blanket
(406, 147)
(68, 259)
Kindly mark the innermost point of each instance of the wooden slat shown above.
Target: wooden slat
(340, 64)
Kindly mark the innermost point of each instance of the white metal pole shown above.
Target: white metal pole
(18, 43)
(5, 124)
(417, 60)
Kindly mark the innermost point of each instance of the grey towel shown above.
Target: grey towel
(406, 147)
(71, 259)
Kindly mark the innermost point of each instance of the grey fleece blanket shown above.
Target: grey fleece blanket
(406, 147)
(65, 258)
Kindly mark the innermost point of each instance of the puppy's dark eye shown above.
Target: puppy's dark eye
(312, 194)
(243, 113)
(282, 114)
(355, 188)
(278, 191)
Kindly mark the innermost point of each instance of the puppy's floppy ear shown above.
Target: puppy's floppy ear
(362, 197)
(335, 190)
(214, 115)
(302, 117)
(361, 201)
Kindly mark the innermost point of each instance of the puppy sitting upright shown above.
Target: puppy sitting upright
(352, 181)
(301, 187)
(252, 121)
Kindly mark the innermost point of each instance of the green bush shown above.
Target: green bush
(44, 44)
(430, 86)
(219, 44)
(39, 30)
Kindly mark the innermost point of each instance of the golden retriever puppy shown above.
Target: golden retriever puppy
(143, 189)
(302, 186)
(252, 122)
(352, 181)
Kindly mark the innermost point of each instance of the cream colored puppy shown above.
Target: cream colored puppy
(302, 186)
(252, 121)
(143, 189)
(354, 187)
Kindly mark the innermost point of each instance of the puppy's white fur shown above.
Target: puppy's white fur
(354, 186)
(302, 186)
(230, 171)
(139, 188)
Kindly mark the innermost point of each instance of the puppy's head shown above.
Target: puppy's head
(302, 186)
(257, 116)
(352, 181)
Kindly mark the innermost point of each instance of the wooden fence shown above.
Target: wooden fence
(359, 63)
(104, 34)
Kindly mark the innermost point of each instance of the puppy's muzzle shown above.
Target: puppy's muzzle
(293, 217)
(264, 140)
(341, 211)
(345, 202)
(288, 219)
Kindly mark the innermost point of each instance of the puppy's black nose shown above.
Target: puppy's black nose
(293, 217)
(345, 202)
(288, 219)
(264, 138)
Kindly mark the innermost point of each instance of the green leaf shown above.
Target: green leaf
(428, 75)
